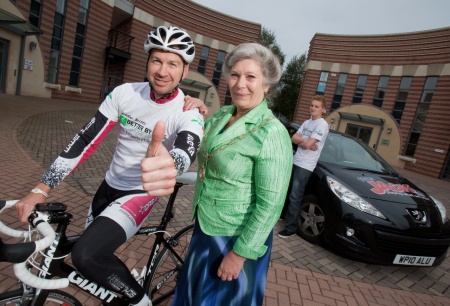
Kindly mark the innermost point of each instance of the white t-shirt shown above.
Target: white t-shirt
(317, 129)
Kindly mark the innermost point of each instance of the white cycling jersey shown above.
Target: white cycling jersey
(130, 105)
(120, 202)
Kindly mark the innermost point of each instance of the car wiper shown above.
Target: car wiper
(365, 170)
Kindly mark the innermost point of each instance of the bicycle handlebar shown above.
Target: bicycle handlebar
(19, 253)
(187, 178)
(7, 230)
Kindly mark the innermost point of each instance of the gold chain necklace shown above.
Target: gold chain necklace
(207, 157)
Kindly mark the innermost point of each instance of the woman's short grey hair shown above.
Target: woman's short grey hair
(269, 63)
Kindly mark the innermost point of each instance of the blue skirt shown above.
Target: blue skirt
(199, 284)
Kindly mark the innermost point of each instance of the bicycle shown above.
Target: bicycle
(158, 277)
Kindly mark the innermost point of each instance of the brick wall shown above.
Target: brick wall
(199, 19)
(426, 47)
(135, 69)
(183, 13)
(92, 66)
(436, 133)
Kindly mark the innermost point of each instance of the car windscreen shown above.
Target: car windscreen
(349, 153)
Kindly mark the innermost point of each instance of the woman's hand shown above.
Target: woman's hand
(191, 103)
(230, 266)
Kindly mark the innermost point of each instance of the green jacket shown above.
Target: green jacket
(245, 180)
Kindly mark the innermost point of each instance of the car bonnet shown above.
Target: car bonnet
(384, 187)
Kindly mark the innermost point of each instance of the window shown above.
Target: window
(421, 115)
(228, 99)
(79, 43)
(400, 101)
(55, 47)
(339, 91)
(381, 91)
(322, 83)
(218, 68)
(35, 12)
(203, 59)
(363, 133)
(446, 171)
(359, 90)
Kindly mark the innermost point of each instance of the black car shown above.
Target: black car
(358, 204)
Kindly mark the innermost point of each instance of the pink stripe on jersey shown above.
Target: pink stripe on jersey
(95, 142)
(139, 207)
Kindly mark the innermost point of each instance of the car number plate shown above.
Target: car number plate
(411, 260)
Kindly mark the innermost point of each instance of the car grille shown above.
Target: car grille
(394, 242)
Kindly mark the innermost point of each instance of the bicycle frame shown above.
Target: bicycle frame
(53, 264)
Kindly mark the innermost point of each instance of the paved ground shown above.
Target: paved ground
(32, 133)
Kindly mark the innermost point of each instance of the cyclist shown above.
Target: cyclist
(120, 204)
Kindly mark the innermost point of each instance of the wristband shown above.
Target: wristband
(37, 190)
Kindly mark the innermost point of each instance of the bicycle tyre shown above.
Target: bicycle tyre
(164, 276)
(55, 297)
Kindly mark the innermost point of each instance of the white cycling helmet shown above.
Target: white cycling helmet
(171, 39)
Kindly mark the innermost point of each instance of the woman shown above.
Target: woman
(245, 161)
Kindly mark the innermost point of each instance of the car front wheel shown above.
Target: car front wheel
(311, 220)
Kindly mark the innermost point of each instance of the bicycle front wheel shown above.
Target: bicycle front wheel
(55, 297)
(163, 278)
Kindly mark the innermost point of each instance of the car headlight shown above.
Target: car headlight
(352, 198)
(441, 208)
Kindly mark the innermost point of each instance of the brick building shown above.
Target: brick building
(392, 91)
(80, 50)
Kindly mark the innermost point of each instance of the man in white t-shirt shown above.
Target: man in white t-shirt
(120, 205)
(310, 139)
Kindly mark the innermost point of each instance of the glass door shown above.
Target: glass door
(3, 62)
(363, 133)
(113, 74)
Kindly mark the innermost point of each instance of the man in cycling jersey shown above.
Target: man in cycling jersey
(120, 205)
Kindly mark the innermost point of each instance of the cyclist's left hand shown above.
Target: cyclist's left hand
(158, 168)
(230, 267)
(191, 103)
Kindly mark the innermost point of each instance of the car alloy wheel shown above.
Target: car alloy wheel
(311, 220)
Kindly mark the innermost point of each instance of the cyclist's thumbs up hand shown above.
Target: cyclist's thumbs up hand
(155, 144)
(158, 168)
